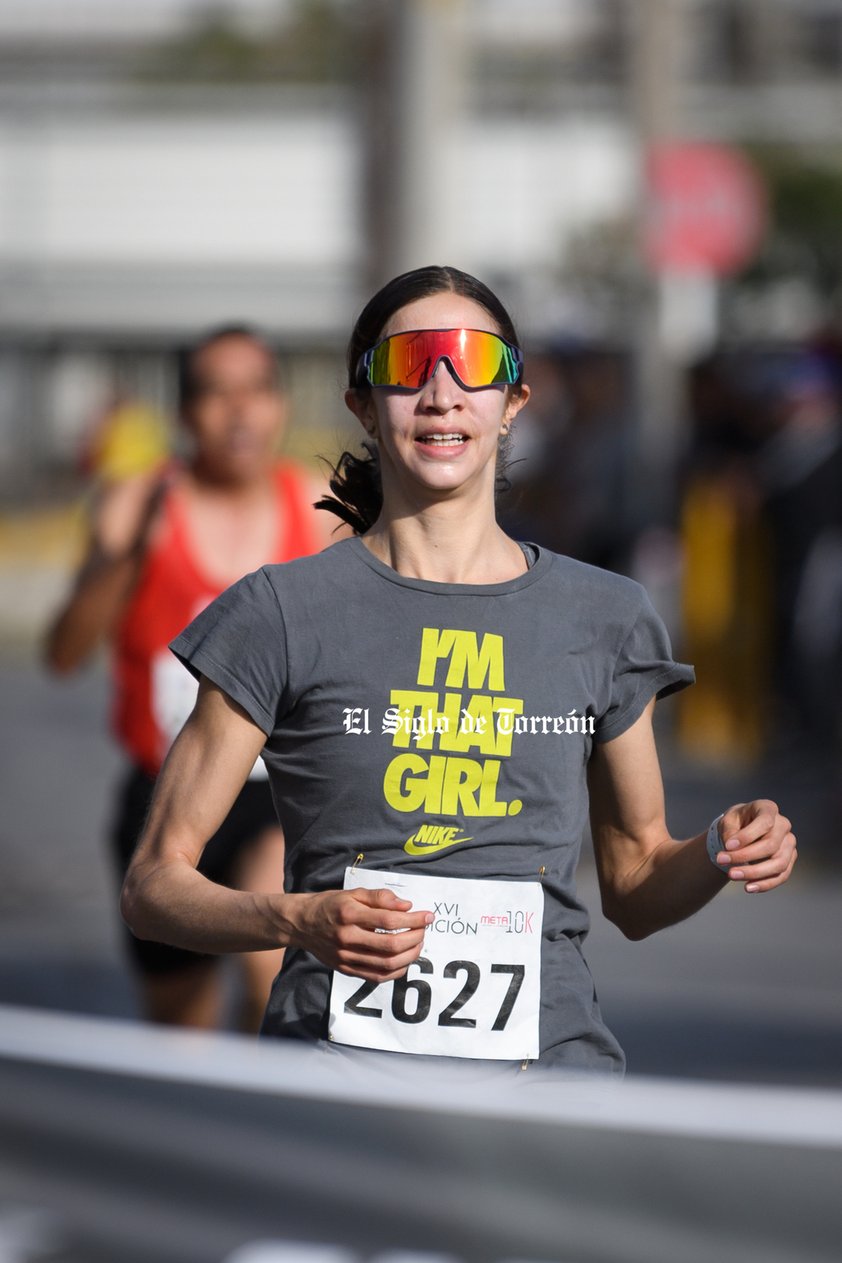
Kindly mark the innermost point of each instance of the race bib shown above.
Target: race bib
(475, 990)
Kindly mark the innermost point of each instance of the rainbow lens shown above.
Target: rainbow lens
(475, 357)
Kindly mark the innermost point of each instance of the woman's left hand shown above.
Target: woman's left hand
(758, 845)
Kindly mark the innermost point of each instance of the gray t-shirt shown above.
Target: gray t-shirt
(418, 725)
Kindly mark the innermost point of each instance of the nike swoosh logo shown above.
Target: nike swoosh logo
(425, 848)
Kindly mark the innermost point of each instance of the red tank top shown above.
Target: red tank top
(154, 693)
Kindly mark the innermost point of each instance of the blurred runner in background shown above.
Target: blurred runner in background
(163, 544)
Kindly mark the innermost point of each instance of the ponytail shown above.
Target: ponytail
(357, 490)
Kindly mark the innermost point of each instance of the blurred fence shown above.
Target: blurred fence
(142, 1145)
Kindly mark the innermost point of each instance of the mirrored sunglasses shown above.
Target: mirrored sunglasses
(408, 360)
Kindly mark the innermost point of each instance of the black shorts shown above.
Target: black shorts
(252, 813)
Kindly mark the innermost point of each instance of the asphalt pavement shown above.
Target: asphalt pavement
(748, 990)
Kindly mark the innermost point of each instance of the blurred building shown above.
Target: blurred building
(162, 170)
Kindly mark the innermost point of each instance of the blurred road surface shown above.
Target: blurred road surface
(748, 990)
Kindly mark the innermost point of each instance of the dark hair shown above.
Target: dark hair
(188, 379)
(356, 482)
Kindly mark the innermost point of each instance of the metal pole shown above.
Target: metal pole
(414, 133)
(655, 38)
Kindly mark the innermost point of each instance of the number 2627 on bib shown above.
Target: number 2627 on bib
(475, 990)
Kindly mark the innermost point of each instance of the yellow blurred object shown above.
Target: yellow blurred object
(726, 620)
(132, 439)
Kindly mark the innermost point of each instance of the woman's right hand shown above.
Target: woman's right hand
(369, 934)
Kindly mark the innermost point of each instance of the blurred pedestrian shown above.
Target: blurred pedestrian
(164, 542)
(570, 468)
(726, 568)
(439, 707)
(798, 468)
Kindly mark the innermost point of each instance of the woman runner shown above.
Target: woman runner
(439, 708)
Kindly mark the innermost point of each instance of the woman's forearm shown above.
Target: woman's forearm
(368, 934)
(648, 884)
(674, 880)
(175, 904)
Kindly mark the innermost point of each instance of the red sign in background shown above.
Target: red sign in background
(706, 208)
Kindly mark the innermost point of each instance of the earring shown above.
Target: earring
(504, 429)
